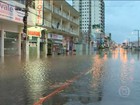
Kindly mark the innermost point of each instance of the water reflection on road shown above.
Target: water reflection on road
(111, 77)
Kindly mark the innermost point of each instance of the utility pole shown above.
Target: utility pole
(25, 21)
(25, 17)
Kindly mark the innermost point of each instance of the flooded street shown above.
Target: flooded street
(101, 78)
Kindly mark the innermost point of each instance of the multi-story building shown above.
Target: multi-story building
(62, 19)
(58, 20)
(91, 16)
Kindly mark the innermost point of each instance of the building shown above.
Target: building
(60, 18)
(11, 25)
(52, 25)
(92, 17)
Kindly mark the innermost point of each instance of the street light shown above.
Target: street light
(138, 36)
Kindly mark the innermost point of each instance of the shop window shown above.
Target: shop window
(11, 43)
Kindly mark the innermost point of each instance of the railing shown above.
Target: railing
(47, 5)
(47, 23)
(73, 32)
(65, 15)
(74, 20)
(57, 11)
(64, 29)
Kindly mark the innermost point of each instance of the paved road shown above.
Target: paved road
(101, 78)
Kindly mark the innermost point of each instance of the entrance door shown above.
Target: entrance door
(11, 43)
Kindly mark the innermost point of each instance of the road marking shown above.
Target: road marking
(58, 90)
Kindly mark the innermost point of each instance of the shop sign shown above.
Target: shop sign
(8, 12)
(39, 10)
(34, 31)
(60, 37)
(55, 36)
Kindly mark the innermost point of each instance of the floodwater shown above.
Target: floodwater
(109, 77)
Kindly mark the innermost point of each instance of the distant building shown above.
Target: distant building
(91, 12)
(92, 18)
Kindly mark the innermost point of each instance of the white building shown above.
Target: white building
(92, 15)
(59, 19)
(11, 25)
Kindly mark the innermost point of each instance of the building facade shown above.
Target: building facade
(52, 25)
(92, 16)
(11, 25)
(60, 18)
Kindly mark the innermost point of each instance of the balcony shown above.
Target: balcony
(57, 11)
(74, 20)
(65, 15)
(47, 23)
(64, 29)
(47, 5)
(74, 33)
(101, 13)
(102, 17)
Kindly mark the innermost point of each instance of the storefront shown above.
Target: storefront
(10, 24)
(68, 44)
(59, 44)
(11, 27)
(11, 43)
(55, 44)
(36, 41)
(10, 38)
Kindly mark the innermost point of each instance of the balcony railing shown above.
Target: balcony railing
(74, 20)
(65, 15)
(47, 23)
(47, 5)
(57, 10)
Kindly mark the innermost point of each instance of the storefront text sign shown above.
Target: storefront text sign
(8, 12)
(55, 36)
(34, 31)
(39, 10)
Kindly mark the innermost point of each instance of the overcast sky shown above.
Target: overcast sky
(121, 18)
